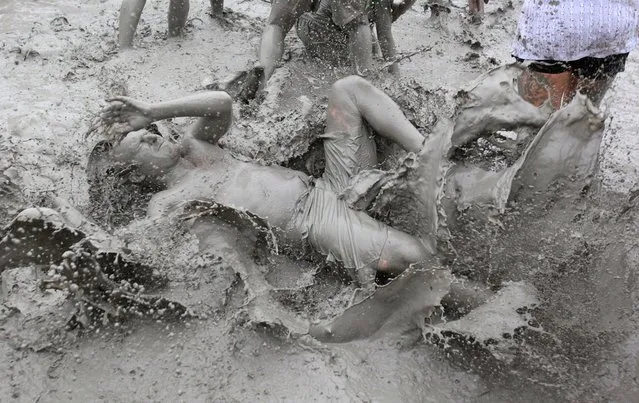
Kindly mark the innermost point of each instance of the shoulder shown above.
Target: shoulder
(200, 152)
(163, 203)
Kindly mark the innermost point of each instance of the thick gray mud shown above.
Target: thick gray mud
(59, 61)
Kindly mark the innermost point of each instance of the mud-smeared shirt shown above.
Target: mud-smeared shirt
(566, 30)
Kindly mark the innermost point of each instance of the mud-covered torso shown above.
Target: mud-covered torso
(270, 192)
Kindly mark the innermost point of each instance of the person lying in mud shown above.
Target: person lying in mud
(573, 45)
(297, 206)
(558, 164)
(327, 28)
(131, 10)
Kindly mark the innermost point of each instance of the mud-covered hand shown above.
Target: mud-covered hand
(129, 113)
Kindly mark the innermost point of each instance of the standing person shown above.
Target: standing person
(327, 31)
(284, 14)
(573, 45)
(351, 15)
(131, 10)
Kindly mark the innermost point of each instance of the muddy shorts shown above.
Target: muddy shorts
(587, 67)
(346, 235)
(322, 38)
(325, 30)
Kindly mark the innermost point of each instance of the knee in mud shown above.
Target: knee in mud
(397, 256)
(347, 84)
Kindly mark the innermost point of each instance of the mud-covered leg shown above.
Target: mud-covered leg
(595, 89)
(130, 13)
(217, 7)
(283, 15)
(354, 100)
(361, 45)
(563, 155)
(178, 13)
(476, 7)
(397, 307)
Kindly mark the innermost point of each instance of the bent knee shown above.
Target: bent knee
(349, 84)
(402, 250)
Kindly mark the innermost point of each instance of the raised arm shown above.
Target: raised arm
(214, 109)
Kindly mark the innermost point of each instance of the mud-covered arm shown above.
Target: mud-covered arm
(214, 109)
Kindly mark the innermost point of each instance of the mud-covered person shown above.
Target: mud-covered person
(327, 31)
(131, 10)
(349, 17)
(573, 45)
(301, 208)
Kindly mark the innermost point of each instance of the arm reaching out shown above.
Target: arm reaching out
(214, 108)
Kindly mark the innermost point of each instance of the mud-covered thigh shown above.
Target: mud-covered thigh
(284, 13)
(343, 234)
(348, 153)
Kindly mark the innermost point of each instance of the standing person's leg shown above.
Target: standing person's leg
(596, 75)
(283, 15)
(178, 13)
(361, 47)
(130, 13)
(217, 7)
(476, 6)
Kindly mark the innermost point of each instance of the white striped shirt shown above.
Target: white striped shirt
(566, 30)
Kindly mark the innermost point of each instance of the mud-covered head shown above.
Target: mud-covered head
(151, 153)
(118, 189)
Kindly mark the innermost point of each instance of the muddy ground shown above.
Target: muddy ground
(59, 62)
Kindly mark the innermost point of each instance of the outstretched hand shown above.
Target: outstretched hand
(130, 114)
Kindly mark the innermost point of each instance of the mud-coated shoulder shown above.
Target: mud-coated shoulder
(162, 203)
(200, 152)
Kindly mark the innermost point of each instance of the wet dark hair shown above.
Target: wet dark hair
(118, 192)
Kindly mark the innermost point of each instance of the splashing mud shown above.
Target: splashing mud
(568, 262)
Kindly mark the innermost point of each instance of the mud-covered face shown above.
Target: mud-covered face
(153, 154)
